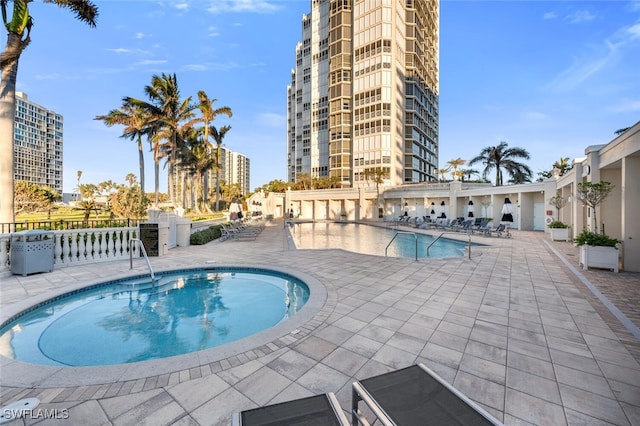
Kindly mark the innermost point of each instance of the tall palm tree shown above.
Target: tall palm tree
(173, 116)
(218, 136)
(197, 158)
(18, 38)
(502, 157)
(208, 114)
(138, 123)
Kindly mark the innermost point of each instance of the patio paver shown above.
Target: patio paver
(514, 328)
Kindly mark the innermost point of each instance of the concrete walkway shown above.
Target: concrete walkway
(518, 329)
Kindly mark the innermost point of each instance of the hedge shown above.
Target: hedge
(206, 235)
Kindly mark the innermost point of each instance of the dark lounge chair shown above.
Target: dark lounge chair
(318, 410)
(415, 396)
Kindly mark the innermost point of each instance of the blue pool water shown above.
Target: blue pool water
(367, 239)
(134, 320)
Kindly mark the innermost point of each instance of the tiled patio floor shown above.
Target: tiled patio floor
(515, 328)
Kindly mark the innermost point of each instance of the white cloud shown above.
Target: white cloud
(195, 67)
(213, 32)
(626, 106)
(272, 119)
(597, 58)
(252, 6)
(535, 115)
(152, 62)
(181, 6)
(141, 36)
(549, 15)
(124, 50)
(579, 17)
(51, 76)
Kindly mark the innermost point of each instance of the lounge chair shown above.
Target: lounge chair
(415, 396)
(498, 230)
(480, 225)
(317, 410)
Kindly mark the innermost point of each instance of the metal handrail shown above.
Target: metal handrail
(144, 253)
(415, 236)
(456, 233)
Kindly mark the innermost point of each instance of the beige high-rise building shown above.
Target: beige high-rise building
(37, 144)
(363, 97)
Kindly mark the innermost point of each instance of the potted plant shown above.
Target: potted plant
(559, 231)
(597, 250)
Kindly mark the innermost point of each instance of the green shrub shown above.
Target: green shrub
(593, 239)
(558, 224)
(206, 235)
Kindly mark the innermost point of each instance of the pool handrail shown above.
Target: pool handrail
(144, 253)
(449, 232)
(415, 237)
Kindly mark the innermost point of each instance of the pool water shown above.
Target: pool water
(136, 320)
(368, 239)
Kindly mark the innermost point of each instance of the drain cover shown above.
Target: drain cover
(15, 410)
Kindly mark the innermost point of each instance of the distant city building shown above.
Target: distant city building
(235, 170)
(364, 93)
(38, 137)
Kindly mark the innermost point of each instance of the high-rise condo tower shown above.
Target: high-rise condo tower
(363, 99)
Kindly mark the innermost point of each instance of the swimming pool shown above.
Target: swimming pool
(133, 320)
(368, 239)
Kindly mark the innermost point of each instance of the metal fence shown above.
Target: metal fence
(66, 224)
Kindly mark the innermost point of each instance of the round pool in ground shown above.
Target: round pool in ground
(135, 320)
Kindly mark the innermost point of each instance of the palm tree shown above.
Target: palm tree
(502, 157)
(196, 157)
(455, 163)
(208, 114)
(218, 136)
(18, 38)
(468, 173)
(443, 172)
(563, 166)
(172, 116)
(78, 175)
(137, 122)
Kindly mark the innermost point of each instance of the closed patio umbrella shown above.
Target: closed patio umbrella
(470, 209)
(443, 215)
(433, 208)
(507, 211)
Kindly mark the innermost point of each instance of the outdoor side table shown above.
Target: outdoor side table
(416, 396)
(31, 252)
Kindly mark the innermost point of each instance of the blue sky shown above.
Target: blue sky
(550, 77)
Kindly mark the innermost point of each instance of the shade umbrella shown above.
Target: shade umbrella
(507, 211)
(433, 208)
(443, 215)
(470, 209)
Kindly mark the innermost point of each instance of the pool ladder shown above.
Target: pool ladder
(144, 253)
(439, 236)
(415, 237)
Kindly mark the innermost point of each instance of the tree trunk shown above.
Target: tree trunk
(7, 117)
(141, 160)
(156, 170)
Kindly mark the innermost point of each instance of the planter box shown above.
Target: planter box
(599, 257)
(559, 234)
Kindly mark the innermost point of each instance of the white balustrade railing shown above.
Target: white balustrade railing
(81, 246)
